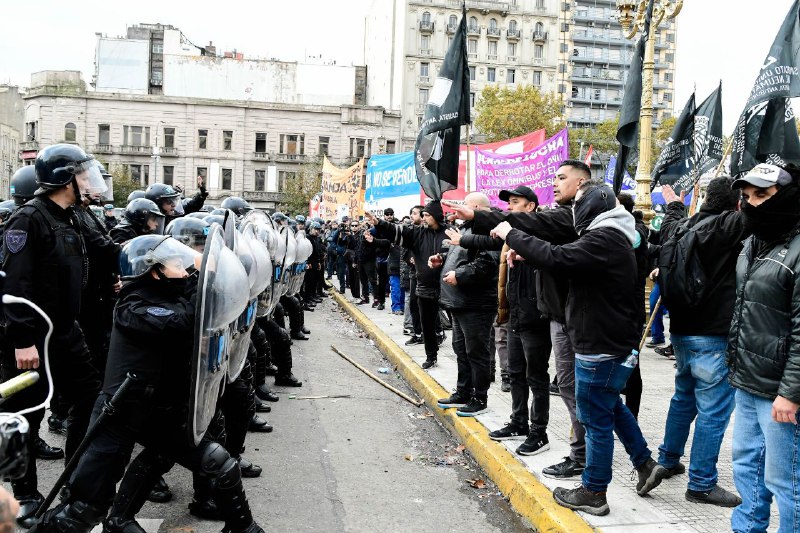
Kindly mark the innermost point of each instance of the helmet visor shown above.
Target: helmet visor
(154, 224)
(176, 259)
(172, 206)
(92, 183)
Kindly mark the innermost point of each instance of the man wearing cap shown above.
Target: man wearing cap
(108, 217)
(699, 337)
(423, 241)
(764, 351)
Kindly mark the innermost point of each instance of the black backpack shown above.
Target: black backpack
(681, 277)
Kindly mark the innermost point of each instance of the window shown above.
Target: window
(562, 88)
(512, 49)
(391, 147)
(564, 48)
(539, 4)
(261, 182)
(136, 136)
(493, 49)
(324, 146)
(227, 140)
(471, 100)
(292, 144)
(537, 77)
(425, 42)
(202, 139)
(70, 132)
(511, 75)
(564, 27)
(473, 23)
(360, 147)
(670, 37)
(424, 69)
(283, 179)
(261, 142)
(667, 97)
(31, 131)
(158, 48)
(426, 18)
(539, 28)
(423, 96)
(472, 74)
(202, 172)
(491, 73)
(668, 77)
(670, 57)
(103, 134)
(140, 174)
(562, 68)
(472, 46)
(156, 76)
(169, 174)
(227, 178)
(169, 137)
(512, 26)
(493, 29)
(452, 21)
(538, 51)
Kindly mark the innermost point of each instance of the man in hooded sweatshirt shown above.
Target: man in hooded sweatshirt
(601, 325)
(423, 241)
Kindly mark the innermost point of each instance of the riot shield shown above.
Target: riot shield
(266, 233)
(222, 292)
(304, 251)
(288, 262)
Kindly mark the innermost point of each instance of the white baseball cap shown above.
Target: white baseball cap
(763, 176)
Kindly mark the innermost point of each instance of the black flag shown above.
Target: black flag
(674, 165)
(766, 131)
(628, 129)
(436, 152)
(708, 143)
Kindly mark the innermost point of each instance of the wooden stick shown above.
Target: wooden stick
(653, 312)
(379, 380)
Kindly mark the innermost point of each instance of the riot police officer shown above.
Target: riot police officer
(23, 184)
(238, 205)
(45, 261)
(142, 217)
(135, 195)
(169, 201)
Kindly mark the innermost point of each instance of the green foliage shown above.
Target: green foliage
(123, 184)
(602, 138)
(504, 113)
(299, 190)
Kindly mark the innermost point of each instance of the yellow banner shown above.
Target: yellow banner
(342, 191)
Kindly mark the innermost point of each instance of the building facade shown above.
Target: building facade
(11, 123)
(243, 148)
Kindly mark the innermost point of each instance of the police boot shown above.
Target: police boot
(28, 504)
(259, 425)
(248, 469)
(228, 490)
(142, 474)
(264, 393)
(122, 525)
(73, 517)
(161, 492)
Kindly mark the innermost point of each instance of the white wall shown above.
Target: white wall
(123, 65)
(325, 84)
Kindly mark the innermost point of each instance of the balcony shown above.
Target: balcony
(425, 26)
(168, 151)
(511, 59)
(29, 146)
(596, 15)
(135, 149)
(513, 35)
(538, 61)
(493, 33)
(539, 36)
(484, 6)
(451, 29)
(290, 158)
(265, 196)
(472, 55)
(424, 80)
(420, 108)
(491, 57)
(473, 30)
(424, 51)
(260, 156)
(103, 149)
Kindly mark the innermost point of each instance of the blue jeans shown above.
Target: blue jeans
(397, 293)
(602, 413)
(701, 390)
(657, 329)
(766, 463)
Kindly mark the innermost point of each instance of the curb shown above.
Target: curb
(527, 495)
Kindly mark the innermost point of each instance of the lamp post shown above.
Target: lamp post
(632, 18)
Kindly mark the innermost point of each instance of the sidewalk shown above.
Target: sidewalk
(664, 510)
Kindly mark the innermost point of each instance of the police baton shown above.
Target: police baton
(108, 410)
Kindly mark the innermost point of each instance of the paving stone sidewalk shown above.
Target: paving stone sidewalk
(664, 510)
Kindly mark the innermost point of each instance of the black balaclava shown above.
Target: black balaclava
(434, 209)
(594, 201)
(777, 216)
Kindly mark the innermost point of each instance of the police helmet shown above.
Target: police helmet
(144, 215)
(23, 184)
(141, 254)
(219, 219)
(162, 194)
(300, 219)
(6, 209)
(108, 207)
(134, 195)
(277, 216)
(238, 205)
(191, 231)
(58, 164)
(315, 225)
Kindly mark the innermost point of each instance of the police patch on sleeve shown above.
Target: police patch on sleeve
(15, 239)
(159, 311)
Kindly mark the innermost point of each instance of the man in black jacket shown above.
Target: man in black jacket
(469, 292)
(423, 241)
(699, 338)
(764, 352)
(600, 324)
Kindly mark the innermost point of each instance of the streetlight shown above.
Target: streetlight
(632, 18)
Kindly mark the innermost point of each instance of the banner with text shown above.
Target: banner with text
(392, 182)
(342, 193)
(535, 168)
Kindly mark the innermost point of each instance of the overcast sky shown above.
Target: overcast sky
(717, 39)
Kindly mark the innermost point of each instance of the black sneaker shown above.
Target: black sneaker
(676, 470)
(667, 351)
(415, 339)
(475, 407)
(408, 332)
(653, 344)
(454, 400)
(650, 476)
(582, 499)
(535, 443)
(509, 431)
(429, 362)
(564, 470)
(505, 386)
(716, 496)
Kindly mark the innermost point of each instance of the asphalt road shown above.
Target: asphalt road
(369, 462)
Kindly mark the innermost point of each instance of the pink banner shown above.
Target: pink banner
(535, 168)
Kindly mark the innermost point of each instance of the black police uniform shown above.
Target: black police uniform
(45, 261)
(153, 338)
(123, 232)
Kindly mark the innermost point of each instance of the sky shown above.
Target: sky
(717, 39)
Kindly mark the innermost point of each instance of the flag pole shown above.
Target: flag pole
(468, 177)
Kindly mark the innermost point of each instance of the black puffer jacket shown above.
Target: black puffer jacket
(764, 340)
(476, 274)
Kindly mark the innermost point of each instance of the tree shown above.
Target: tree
(504, 113)
(123, 184)
(299, 190)
(602, 138)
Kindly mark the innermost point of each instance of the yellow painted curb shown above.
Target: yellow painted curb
(527, 495)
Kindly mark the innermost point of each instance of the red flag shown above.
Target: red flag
(589, 157)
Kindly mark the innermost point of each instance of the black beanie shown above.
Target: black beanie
(434, 209)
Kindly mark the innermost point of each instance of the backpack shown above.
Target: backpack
(681, 277)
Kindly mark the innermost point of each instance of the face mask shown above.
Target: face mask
(776, 216)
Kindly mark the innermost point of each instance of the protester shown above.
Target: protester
(412, 321)
(764, 354)
(396, 288)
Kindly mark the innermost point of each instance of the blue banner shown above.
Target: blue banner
(629, 185)
(390, 176)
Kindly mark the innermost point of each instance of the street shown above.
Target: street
(370, 462)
